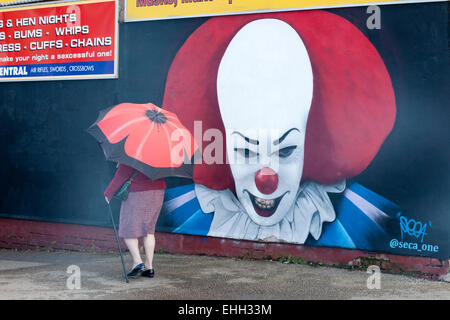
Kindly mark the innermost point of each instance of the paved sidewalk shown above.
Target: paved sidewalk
(43, 275)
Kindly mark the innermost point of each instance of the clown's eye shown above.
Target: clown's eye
(286, 152)
(246, 152)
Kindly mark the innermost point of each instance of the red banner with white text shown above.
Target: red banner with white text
(70, 40)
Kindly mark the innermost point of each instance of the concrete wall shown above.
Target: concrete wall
(53, 171)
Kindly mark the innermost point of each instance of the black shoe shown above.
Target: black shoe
(136, 270)
(149, 273)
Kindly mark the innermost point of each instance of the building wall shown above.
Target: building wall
(52, 170)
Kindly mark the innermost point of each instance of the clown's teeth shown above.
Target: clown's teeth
(265, 204)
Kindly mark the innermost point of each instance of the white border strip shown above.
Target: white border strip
(172, 204)
(18, 2)
(375, 214)
(114, 75)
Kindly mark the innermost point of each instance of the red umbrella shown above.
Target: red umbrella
(147, 138)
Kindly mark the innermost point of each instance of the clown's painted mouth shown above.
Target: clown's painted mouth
(265, 207)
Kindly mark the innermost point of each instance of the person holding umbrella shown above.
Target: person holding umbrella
(138, 215)
(149, 144)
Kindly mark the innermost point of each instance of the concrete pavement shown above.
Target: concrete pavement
(43, 275)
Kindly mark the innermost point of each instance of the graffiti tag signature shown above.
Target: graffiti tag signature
(413, 228)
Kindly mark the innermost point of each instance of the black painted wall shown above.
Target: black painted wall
(52, 170)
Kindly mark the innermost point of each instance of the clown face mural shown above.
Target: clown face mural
(279, 91)
(264, 90)
(267, 79)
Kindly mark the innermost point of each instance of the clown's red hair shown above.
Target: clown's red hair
(353, 108)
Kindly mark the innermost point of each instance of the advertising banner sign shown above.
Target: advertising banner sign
(66, 40)
(137, 10)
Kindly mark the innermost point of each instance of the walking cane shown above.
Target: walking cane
(118, 243)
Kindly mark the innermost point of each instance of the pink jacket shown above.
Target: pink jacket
(140, 183)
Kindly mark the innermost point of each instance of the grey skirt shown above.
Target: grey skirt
(139, 213)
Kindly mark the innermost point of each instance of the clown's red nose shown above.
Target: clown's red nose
(266, 180)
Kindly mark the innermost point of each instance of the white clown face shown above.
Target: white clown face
(264, 88)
